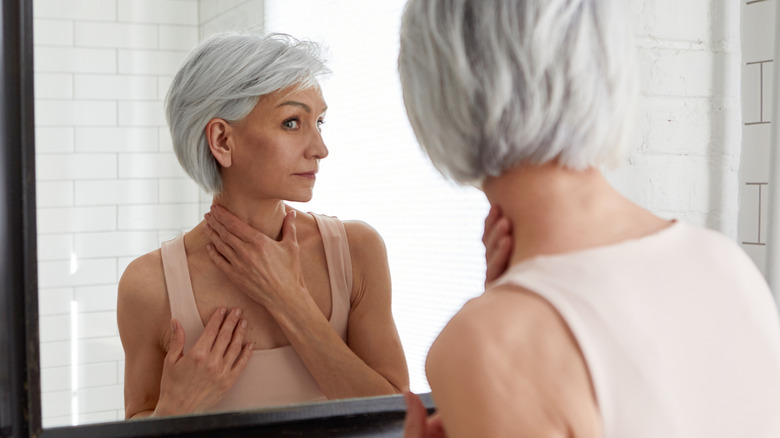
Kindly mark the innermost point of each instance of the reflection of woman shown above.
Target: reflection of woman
(308, 316)
(609, 321)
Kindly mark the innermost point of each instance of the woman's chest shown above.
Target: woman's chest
(212, 288)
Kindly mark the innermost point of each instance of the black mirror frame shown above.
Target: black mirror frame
(20, 391)
(19, 375)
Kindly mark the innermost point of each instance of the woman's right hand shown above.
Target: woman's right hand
(196, 381)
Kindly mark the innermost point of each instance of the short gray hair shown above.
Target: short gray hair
(489, 84)
(224, 77)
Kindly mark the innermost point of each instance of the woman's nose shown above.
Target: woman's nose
(317, 147)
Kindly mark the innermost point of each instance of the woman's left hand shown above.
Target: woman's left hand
(259, 265)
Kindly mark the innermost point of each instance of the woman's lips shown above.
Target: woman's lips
(307, 175)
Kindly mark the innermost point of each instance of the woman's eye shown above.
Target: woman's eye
(290, 124)
(320, 123)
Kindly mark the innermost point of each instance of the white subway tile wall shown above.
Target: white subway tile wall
(758, 40)
(106, 191)
(219, 15)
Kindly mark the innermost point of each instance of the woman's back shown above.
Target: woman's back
(678, 331)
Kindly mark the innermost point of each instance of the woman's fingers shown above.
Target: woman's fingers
(236, 343)
(498, 244)
(435, 426)
(495, 231)
(289, 231)
(497, 258)
(210, 332)
(243, 359)
(233, 224)
(226, 333)
(416, 417)
(225, 242)
(493, 215)
(176, 344)
(222, 263)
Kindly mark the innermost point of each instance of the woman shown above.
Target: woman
(311, 318)
(609, 321)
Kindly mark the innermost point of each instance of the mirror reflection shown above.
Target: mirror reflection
(270, 305)
(110, 187)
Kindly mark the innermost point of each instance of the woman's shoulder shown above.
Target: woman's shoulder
(510, 349)
(363, 239)
(362, 233)
(505, 315)
(142, 269)
(506, 324)
(142, 284)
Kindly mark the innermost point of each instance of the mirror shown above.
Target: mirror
(96, 196)
(109, 187)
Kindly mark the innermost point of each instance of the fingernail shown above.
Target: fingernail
(173, 326)
(243, 323)
(222, 311)
(237, 311)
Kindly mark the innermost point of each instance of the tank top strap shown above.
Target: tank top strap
(334, 240)
(179, 286)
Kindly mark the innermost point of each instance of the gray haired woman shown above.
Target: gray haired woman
(259, 304)
(609, 321)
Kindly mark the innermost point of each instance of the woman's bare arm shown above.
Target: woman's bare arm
(372, 362)
(373, 335)
(141, 308)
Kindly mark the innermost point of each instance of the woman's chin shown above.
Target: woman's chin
(303, 197)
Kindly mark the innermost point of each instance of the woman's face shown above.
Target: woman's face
(278, 146)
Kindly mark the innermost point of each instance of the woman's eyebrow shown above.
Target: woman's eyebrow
(306, 108)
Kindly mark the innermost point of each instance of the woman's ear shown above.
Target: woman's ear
(220, 136)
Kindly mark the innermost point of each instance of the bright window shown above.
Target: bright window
(377, 173)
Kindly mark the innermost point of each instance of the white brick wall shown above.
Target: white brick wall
(102, 68)
(687, 155)
(757, 82)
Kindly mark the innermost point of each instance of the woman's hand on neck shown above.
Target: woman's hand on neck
(265, 216)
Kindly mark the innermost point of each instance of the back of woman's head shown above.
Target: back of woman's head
(224, 77)
(489, 84)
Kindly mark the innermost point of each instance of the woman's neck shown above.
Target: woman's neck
(266, 216)
(555, 210)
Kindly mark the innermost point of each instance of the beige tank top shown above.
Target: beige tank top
(679, 331)
(276, 376)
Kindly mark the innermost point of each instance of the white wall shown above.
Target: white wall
(220, 15)
(687, 155)
(108, 185)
